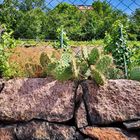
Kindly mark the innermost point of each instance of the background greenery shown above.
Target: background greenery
(31, 19)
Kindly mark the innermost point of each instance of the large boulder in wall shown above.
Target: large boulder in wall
(37, 98)
(116, 101)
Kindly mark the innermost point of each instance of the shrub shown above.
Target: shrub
(7, 43)
(135, 73)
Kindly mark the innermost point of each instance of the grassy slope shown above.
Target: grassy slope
(33, 43)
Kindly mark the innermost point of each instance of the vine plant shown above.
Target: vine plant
(116, 44)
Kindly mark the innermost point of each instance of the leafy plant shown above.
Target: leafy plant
(7, 43)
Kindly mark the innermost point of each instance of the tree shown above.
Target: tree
(31, 19)
(93, 26)
(100, 19)
(135, 25)
(30, 26)
(27, 5)
(65, 15)
(102, 8)
(9, 13)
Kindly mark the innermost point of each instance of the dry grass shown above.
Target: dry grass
(31, 55)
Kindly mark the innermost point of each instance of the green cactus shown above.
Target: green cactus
(135, 73)
(104, 63)
(94, 56)
(75, 68)
(62, 73)
(83, 67)
(114, 73)
(66, 58)
(33, 70)
(97, 76)
(84, 52)
(63, 70)
(44, 59)
(70, 66)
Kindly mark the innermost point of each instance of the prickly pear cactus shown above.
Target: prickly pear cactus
(114, 73)
(62, 73)
(84, 52)
(75, 68)
(63, 70)
(65, 58)
(44, 59)
(135, 74)
(104, 63)
(93, 56)
(97, 76)
(83, 67)
(95, 65)
(87, 65)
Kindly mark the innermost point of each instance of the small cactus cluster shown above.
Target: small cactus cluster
(62, 70)
(135, 73)
(95, 65)
(91, 64)
(58, 68)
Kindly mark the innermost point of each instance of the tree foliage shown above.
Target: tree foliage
(32, 19)
(134, 31)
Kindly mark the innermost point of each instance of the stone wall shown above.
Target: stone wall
(45, 109)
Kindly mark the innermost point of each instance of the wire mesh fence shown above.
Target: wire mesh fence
(86, 20)
(105, 11)
(123, 5)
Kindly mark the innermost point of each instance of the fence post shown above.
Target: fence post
(61, 39)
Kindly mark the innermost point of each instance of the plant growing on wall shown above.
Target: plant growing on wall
(89, 64)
